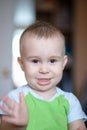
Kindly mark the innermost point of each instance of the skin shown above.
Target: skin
(43, 62)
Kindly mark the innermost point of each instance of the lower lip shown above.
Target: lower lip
(43, 82)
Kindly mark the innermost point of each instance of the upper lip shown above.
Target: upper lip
(44, 78)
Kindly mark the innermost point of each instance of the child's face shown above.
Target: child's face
(42, 61)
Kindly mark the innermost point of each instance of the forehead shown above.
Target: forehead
(30, 37)
(54, 43)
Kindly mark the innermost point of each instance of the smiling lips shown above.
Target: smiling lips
(43, 81)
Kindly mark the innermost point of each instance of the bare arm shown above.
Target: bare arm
(77, 125)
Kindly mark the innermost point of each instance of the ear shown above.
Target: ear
(19, 59)
(65, 61)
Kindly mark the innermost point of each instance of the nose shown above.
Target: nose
(44, 68)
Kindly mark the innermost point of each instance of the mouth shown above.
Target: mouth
(43, 81)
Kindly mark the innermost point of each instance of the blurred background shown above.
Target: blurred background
(70, 16)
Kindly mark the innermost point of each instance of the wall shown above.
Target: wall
(14, 14)
(6, 29)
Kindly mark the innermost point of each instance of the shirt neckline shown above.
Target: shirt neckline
(59, 91)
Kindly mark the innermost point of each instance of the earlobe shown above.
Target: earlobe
(65, 61)
(20, 62)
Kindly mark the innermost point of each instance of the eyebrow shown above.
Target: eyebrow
(59, 57)
(34, 56)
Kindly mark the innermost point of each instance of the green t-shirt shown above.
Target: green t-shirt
(44, 115)
(55, 114)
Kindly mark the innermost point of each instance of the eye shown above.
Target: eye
(35, 61)
(53, 61)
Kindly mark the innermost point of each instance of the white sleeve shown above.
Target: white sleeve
(76, 111)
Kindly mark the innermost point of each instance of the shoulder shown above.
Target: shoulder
(14, 94)
(68, 95)
(75, 109)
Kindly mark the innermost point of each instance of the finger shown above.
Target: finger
(22, 99)
(12, 120)
(16, 121)
(8, 119)
(9, 102)
(6, 110)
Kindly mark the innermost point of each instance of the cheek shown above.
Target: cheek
(58, 71)
(29, 74)
(30, 70)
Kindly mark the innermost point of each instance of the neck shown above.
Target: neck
(48, 94)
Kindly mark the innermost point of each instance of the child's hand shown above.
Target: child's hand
(17, 114)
